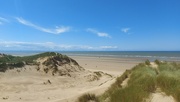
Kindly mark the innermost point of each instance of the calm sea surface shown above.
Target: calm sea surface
(151, 55)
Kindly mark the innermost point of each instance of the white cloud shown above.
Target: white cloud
(3, 20)
(108, 47)
(100, 34)
(57, 30)
(125, 30)
(17, 45)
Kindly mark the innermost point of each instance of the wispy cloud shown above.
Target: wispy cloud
(56, 30)
(100, 34)
(40, 46)
(125, 30)
(108, 47)
(17, 45)
(3, 20)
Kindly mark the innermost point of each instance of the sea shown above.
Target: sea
(150, 55)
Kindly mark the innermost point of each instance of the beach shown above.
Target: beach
(111, 65)
(27, 85)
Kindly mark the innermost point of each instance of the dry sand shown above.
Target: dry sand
(160, 96)
(114, 66)
(29, 85)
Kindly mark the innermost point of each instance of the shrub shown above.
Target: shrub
(19, 64)
(147, 62)
(157, 62)
(88, 98)
(3, 67)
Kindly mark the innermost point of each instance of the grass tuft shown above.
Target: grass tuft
(88, 98)
(169, 79)
(147, 62)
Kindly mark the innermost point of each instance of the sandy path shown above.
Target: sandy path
(160, 96)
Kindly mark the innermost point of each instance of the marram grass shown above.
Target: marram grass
(143, 81)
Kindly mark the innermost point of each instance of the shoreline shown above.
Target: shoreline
(63, 89)
(150, 55)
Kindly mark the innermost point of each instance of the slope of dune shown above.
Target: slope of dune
(55, 78)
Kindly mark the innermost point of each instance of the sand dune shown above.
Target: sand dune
(29, 85)
(32, 86)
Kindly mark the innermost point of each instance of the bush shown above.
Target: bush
(157, 62)
(147, 62)
(19, 64)
(88, 98)
(3, 67)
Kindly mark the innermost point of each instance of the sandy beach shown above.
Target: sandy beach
(28, 85)
(111, 65)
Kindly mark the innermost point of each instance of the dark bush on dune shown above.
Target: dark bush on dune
(147, 62)
(88, 98)
(18, 64)
(157, 62)
(3, 67)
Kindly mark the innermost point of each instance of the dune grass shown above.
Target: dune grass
(169, 79)
(88, 98)
(143, 81)
(9, 61)
(115, 86)
(28, 59)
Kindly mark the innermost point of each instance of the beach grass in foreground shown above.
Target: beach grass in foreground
(144, 79)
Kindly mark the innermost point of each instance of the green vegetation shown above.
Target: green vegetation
(116, 85)
(27, 59)
(169, 79)
(157, 62)
(3, 67)
(9, 61)
(88, 98)
(143, 81)
(147, 62)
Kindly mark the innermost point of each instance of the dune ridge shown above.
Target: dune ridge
(51, 78)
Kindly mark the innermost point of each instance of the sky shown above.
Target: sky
(90, 25)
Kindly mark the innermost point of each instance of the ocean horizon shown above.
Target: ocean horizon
(151, 55)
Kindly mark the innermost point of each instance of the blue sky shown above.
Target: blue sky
(92, 25)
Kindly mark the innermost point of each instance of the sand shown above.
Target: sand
(160, 96)
(28, 85)
(114, 66)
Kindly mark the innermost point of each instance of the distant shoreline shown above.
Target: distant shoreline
(139, 55)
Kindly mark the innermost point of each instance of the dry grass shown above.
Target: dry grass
(143, 81)
(88, 98)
